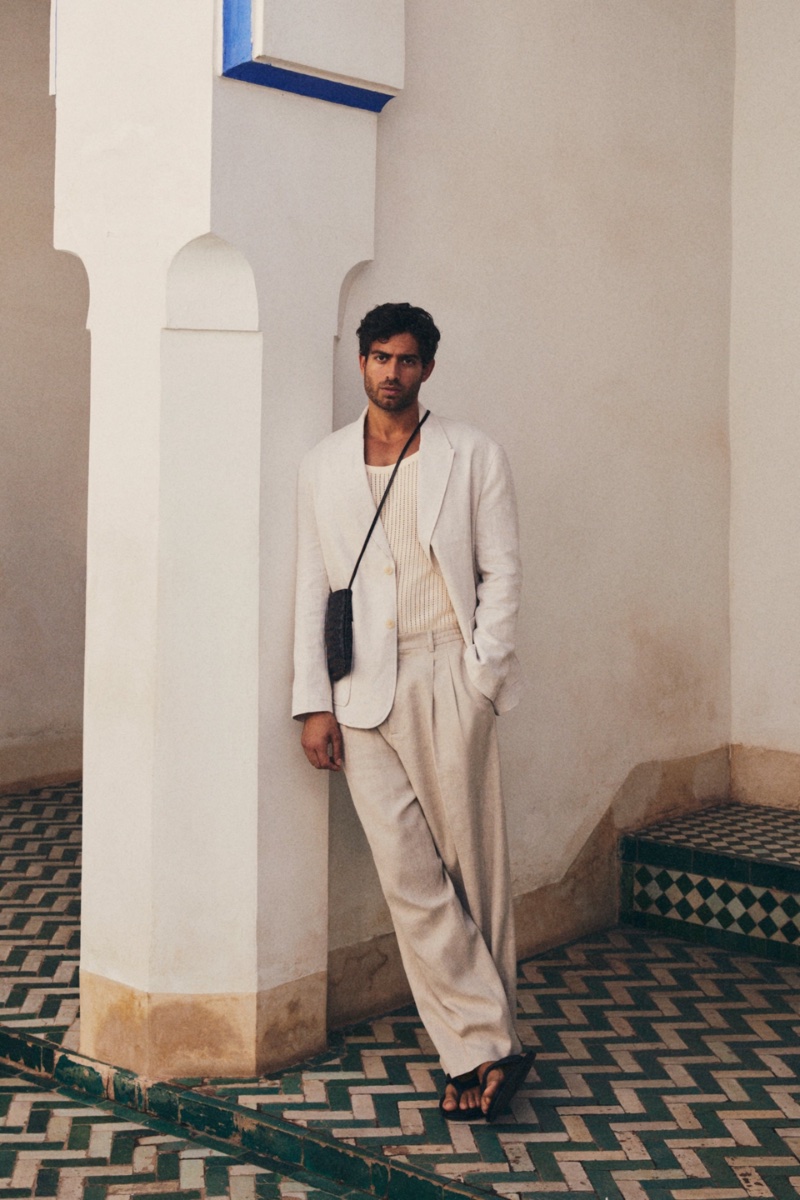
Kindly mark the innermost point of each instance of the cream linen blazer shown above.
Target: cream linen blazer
(466, 515)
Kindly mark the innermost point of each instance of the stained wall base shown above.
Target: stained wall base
(27, 763)
(763, 776)
(365, 980)
(165, 1036)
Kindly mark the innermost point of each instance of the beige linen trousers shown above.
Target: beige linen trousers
(426, 786)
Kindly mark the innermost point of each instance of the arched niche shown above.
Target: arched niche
(210, 285)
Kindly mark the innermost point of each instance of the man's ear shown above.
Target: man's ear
(362, 362)
(427, 370)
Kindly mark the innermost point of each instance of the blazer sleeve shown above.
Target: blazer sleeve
(312, 687)
(491, 659)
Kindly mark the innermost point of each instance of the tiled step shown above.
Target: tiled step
(726, 876)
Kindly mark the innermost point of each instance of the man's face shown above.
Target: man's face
(393, 373)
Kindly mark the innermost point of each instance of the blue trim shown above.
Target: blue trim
(238, 63)
(237, 33)
(308, 85)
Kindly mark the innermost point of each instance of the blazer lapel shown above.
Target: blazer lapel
(435, 462)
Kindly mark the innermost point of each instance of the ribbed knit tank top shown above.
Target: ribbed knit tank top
(423, 602)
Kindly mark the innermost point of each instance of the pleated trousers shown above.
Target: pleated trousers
(426, 787)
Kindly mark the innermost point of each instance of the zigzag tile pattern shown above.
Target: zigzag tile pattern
(40, 846)
(52, 1145)
(664, 1069)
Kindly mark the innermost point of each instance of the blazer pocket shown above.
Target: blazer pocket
(479, 696)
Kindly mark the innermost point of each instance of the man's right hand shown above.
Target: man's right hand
(322, 741)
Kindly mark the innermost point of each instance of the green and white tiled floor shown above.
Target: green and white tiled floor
(662, 1069)
(40, 882)
(665, 1069)
(54, 1144)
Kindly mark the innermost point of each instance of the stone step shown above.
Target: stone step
(726, 876)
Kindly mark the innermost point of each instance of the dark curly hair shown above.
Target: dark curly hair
(387, 320)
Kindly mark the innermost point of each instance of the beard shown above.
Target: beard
(396, 401)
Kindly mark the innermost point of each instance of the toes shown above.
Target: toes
(491, 1083)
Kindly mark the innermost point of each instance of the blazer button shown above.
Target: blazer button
(390, 624)
(389, 570)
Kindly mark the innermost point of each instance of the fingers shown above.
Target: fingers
(322, 741)
(323, 761)
(320, 756)
(337, 747)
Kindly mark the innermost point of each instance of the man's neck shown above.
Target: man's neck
(385, 434)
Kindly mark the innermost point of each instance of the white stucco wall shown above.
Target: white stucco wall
(554, 185)
(765, 369)
(44, 384)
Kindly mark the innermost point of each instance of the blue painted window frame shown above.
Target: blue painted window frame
(238, 63)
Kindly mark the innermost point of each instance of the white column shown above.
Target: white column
(217, 220)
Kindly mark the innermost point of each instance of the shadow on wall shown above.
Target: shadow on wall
(44, 396)
(586, 898)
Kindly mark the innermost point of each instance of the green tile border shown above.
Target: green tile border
(292, 1148)
(740, 943)
(646, 846)
(325, 1189)
(696, 931)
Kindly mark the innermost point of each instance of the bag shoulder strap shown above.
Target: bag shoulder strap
(417, 428)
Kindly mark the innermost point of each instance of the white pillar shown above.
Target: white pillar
(217, 220)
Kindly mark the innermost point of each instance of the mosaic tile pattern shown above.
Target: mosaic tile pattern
(743, 830)
(52, 1144)
(40, 845)
(729, 875)
(664, 1069)
(738, 907)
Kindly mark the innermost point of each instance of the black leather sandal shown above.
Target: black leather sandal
(461, 1083)
(515, 1070)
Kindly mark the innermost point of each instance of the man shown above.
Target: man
(413, 724)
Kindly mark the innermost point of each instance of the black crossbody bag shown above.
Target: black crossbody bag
(339, 613)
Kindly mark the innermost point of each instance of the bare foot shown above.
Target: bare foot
(470, 1097)
(490, 1082)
